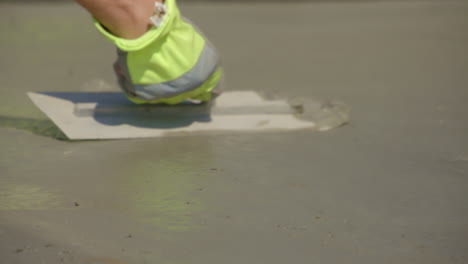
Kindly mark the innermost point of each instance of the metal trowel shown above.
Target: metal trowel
(109, 115)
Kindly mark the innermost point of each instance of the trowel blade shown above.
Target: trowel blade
(109, 115)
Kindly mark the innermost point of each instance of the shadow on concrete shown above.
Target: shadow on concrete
(114, 109)
(41, 127)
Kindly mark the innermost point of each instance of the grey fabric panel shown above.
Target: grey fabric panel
(123, 74)
(203, 69)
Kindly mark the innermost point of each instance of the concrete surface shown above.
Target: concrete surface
(391, 187)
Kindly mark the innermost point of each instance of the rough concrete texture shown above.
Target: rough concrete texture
(391, 187)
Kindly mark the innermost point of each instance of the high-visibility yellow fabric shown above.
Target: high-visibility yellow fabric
(202, 93)
(164, 54)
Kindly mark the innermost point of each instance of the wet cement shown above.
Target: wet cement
(391, 187)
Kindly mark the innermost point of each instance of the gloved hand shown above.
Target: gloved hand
(171, 63)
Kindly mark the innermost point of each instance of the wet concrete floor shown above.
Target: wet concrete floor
(391, 187)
